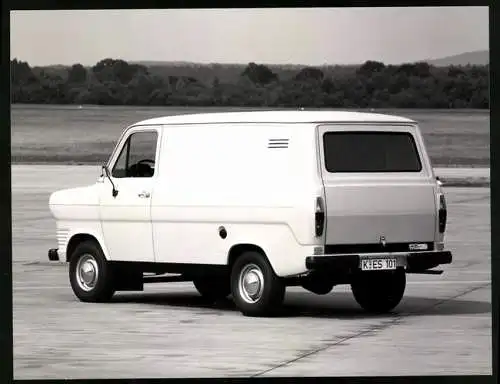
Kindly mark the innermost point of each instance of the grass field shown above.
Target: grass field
(87, 135)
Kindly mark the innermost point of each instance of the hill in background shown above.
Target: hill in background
(466, 58)
(231, 72)
(462, 59)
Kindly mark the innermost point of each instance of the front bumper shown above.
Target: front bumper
(411, 261)
(53, 254)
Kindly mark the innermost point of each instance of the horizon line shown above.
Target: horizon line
(202, 63)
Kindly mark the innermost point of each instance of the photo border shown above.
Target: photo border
(6, 300)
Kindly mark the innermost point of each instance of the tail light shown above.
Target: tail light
(319, 217)
(443, 213)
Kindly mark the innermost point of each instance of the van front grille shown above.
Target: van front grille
(62, 235)
(372, 248)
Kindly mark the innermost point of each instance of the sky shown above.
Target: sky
(269, 36)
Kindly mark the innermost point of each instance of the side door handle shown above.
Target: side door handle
(144, 195)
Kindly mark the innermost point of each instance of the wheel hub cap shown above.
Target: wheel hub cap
(87, 272)
(251, 283)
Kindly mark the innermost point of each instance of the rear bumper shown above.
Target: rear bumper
(411, 261)
(53, 254)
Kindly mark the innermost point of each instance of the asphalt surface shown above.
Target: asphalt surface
(442, 326)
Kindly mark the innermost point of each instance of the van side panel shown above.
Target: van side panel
(244, 178)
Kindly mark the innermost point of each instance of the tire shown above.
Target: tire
(269, 294)
(214, 288)
(379, 292)
(101, 289)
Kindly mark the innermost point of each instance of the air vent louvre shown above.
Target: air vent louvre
(277, 143)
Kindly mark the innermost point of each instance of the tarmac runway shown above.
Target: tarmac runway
(442, 326)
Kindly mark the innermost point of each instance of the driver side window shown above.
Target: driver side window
(138, 155)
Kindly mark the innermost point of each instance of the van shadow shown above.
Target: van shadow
(340, 305)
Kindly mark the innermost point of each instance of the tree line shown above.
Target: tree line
(370, 85)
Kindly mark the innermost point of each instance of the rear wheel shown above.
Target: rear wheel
(256, 289)
(380, 291)
(90, 275)
(214, 288)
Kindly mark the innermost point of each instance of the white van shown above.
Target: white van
(247, 203)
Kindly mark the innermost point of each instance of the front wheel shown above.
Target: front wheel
(90, 275)
(380, 291)
(256, 289)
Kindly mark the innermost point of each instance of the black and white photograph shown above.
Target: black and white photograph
(251, 192)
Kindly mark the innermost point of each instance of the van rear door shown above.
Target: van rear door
(379, 187)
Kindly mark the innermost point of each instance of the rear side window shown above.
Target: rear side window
(357, 152)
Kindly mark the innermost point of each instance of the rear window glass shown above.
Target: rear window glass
(370, 152)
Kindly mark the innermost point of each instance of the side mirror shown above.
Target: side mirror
(438, 181)
(106, 173)
(105, 170)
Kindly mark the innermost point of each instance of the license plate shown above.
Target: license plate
(378, 264)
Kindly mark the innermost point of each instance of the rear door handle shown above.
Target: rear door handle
(144, 195)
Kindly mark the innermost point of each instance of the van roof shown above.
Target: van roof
(293, 116)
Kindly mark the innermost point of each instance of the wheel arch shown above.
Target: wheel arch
(239, 249)
(80, 237)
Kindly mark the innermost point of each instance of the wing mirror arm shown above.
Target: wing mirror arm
(107, 174)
